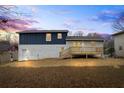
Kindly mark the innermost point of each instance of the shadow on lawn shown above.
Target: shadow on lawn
(62, 77)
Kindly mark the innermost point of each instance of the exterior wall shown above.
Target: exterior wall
(119, 41)
(40, 38)
(34, 52)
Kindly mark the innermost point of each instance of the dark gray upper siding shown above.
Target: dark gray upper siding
(40, 38)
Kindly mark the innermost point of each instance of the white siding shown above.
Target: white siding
(85, 44)
(34, 52)
(119, 41)
(88, 46)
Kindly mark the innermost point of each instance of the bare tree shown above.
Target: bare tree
(118, 24)
(6, 16)
(70, 33)
(79, 33)
(94, 35)
(11, 20)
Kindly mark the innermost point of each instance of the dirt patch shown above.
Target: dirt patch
(59, 77)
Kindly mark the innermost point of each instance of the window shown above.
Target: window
(74, 44)
(93, 43)
(99, 49)
(24, 50)
(120, 48)
(59, 35)
(83, 43)
(79, 44)
(48, 37)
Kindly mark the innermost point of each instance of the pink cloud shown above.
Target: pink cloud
(17, 24)
(11, 19)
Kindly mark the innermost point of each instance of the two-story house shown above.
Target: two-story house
(38, 44)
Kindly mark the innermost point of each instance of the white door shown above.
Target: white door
(25, 54)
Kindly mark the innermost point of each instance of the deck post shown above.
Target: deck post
(86, 56)
(71, 56)
(102, 55)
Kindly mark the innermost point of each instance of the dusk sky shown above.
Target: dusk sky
(74, 18)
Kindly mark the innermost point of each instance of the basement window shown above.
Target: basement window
(48, 37)
(120, 48)
(24, 50)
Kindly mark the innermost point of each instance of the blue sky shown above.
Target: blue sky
(74, 17)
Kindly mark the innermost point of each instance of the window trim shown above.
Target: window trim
(59, 35)
(48, 37)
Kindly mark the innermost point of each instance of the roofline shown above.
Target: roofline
(118, 33)
(41, 31)
(85, 40)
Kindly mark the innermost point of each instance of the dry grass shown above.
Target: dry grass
(68, 62)
(66, 73)
(62, 77)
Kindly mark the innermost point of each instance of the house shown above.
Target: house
(83, 45)
(4, 46)
(119, 43)
(38, 44)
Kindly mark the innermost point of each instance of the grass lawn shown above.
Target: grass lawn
(62, 77)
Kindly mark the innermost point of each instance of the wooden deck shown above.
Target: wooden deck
(72, 51)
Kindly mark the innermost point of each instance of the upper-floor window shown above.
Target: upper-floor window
(48, 36)
(120, 48)
(59, 35)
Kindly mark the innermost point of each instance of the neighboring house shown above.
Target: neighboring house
(12, 37)
(4, 46)
(83, 45)
(39, 44)
(119, 44)
(3, 35)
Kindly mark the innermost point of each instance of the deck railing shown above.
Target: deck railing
(85, 49)
(81, 50)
